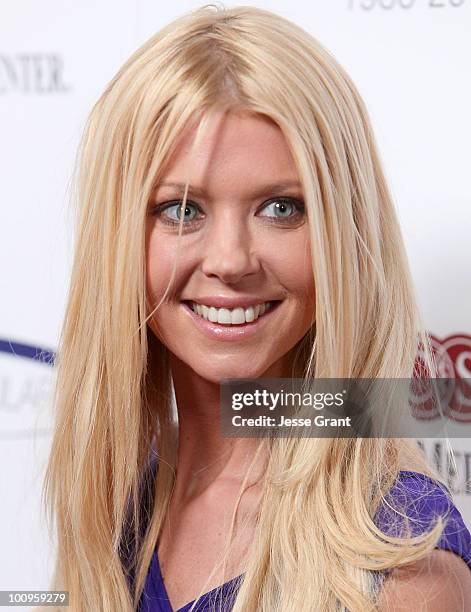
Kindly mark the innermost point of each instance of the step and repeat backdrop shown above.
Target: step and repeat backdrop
(410, 60)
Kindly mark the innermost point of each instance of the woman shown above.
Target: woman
(234, 222)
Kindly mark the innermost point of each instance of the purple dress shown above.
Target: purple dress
(417, 496)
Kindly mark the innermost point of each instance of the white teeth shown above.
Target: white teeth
(238, 316)
(249, 314)
(227, 316)
(224, 315)
(213, 314)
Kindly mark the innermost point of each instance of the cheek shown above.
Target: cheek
(160, 260)
(156, 271)
(292, 265)
(296, 273)
(303, 273)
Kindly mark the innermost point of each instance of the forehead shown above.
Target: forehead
(234, 148)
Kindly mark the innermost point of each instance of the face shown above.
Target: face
(243, 291)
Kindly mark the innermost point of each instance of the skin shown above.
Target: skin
(440, 581)
(237, 246)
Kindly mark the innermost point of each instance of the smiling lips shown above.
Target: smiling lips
(216, 321)
(230, 316)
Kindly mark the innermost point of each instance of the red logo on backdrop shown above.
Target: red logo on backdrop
(453, 359)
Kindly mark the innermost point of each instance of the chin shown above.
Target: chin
(215, 373)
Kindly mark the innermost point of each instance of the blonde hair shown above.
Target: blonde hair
(316, 546)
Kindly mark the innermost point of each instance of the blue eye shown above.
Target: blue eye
(284, 208)
(171, 212)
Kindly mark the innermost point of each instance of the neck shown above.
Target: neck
(204, 456)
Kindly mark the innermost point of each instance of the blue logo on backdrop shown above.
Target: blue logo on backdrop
(27, 350)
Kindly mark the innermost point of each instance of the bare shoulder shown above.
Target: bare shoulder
(440, 581)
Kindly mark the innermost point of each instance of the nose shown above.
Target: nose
(229, 251)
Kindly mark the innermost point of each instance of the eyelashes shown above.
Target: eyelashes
(285, 211)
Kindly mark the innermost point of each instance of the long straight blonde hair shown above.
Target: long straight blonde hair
(316, 545)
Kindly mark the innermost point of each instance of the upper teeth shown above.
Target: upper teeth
(230, 316)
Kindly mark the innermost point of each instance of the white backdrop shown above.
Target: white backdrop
(411, 62)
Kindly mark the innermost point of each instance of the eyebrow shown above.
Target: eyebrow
(258, 193)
